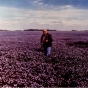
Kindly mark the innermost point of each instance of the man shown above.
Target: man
(46, 42)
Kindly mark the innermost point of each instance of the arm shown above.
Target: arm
(50, 38)
(41, 41)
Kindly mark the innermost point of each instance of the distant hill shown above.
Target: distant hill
(74, 30)
(3, 30)
(37, 30)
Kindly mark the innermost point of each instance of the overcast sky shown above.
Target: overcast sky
(51, 14)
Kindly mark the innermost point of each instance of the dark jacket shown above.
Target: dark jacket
(46, 37)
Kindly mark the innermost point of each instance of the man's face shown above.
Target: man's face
(44, 31)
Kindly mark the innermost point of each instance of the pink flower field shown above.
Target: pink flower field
(23, 64)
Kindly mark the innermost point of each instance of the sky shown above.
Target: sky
(63, 15)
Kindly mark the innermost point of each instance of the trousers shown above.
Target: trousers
(47, 51)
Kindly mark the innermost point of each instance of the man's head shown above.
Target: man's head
(45, 31)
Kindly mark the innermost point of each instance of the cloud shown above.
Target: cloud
(66, 17)
(37, 2)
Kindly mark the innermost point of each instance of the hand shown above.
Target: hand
(46, 40)
(41, 43)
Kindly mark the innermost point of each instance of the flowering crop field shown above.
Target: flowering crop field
(23, 64)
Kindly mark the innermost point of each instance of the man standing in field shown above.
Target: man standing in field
(46, 42)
